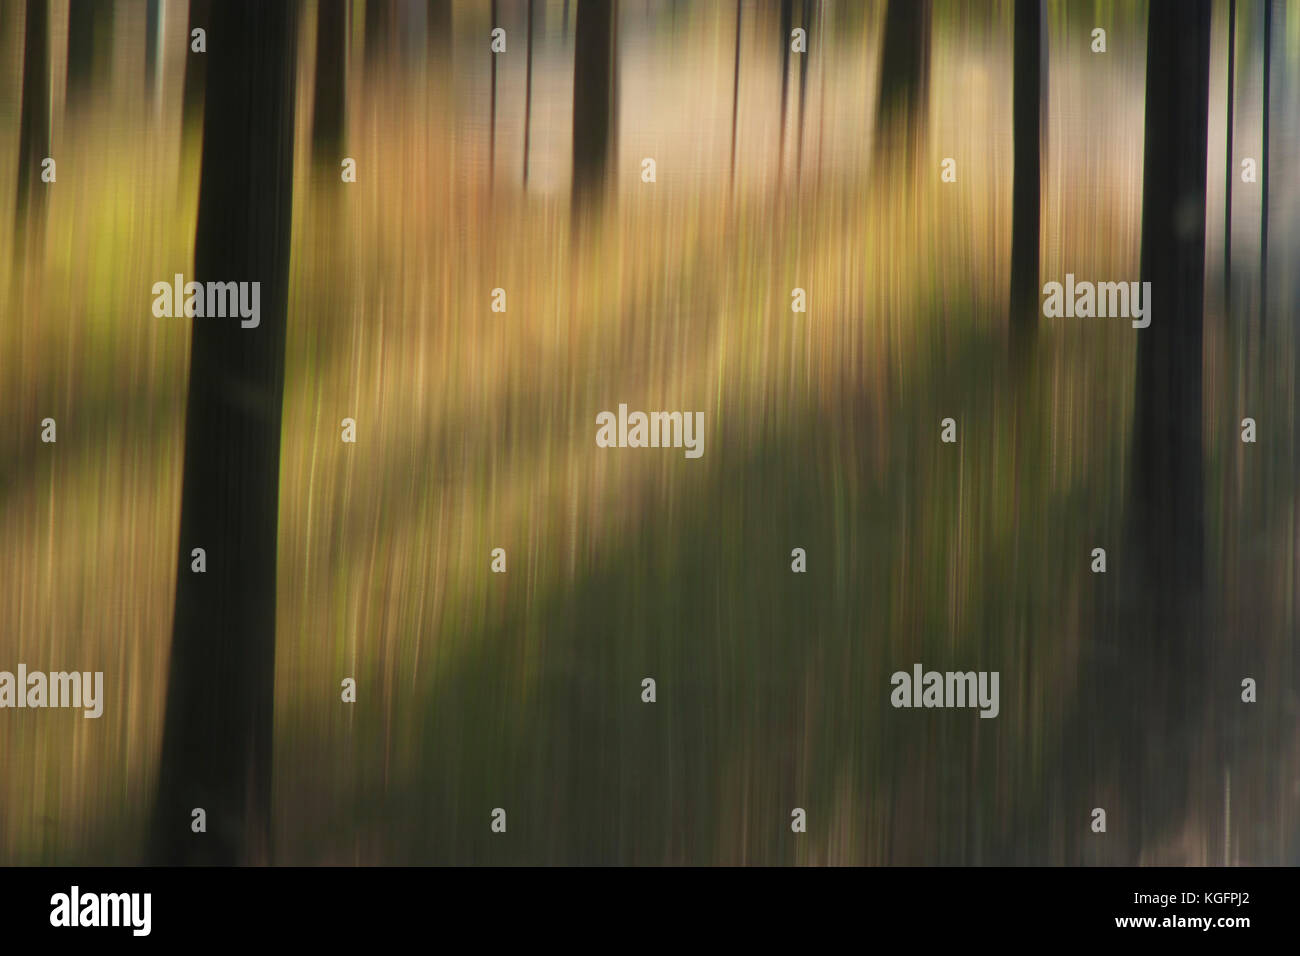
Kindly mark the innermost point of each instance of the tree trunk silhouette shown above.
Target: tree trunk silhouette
(492, 127)
(1167, 533)
(593, 100)
(787, 23)
(329, 110)
(81, 47)
(90, 42)
(1229, 165)
(438, 27)
(379, 32)
(735, 95)
(1168, 452)
(904, 77)
(1027, 108)
(528, 91)
(806, 18)
(1264, 169)
(152, 47)
(216, 747)
(34, 126)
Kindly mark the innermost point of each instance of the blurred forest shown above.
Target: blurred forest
(522, 170)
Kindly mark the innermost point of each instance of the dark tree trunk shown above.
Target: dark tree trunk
(216, 749)
(439, 29)
(1263, 170)
(787, 22)
(379, 32)
(904, 74)
(329, 110)
(34, 124)
(1027, 107)
(90, 38)
(81, 46)
(152, 46)
(528, 91)
(735, 94)
(196, 65)
(593, 98)
(1230, 173)
(492, 129)
(1168, 439)
(806, 21)
(1167, 660)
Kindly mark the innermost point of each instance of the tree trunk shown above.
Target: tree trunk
(904, 76)
(735, 95)
(1230, 166)
(1027, 107)
(438, 28)
(1168, 439)
(329, 114)
(216, 748)
(152, 47)
(492, 128)
(1264, 169)
(806, 18)
(34, 125)
(593, 99)
(379, 32)
(1168, 657)
(787, 22)
(90, 41)
(528, 91)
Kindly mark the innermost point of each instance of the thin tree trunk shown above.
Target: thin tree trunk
(821, 112)
(379, 33)
(1027, 108)
(1230, 170)
(439, 29)
(492, 135)
(1264, 170)
(90, 28)
(34, 124)
(528, 92)
(153, 21)
(216, 748)
(904, 76)
(329, 110)
(593, 99)
(81, 47)
(735, 95)
(805, 19)
(787, 22)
